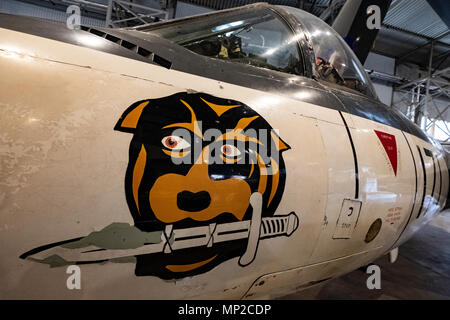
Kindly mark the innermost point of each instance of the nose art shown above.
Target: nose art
(192, 202)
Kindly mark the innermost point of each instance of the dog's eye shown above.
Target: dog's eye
(175, 143)
(230, 150)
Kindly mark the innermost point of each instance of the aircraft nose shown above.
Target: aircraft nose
(189, 201)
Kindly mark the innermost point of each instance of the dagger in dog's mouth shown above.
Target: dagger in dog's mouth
(108, 244)
(256, 200)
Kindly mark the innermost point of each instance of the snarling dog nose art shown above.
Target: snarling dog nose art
(204, 170)
(204, 179)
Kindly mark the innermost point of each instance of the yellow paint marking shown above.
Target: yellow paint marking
(251, 170)
(280, 145)
(219, 109)
(138, 172)
(176, 154)
(188, 267)
(132, 118)
(244, 122)
(263, 175)
(231, 194)
(192, 126)
(275, 179)
(237, 136)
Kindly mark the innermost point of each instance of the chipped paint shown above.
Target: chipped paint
(53, 261)
(20, 159)
(124, 260)
(116, 236)
(72, 193)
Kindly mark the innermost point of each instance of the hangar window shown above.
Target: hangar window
(255, 37)
(335, 61)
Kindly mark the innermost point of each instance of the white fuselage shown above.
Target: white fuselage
(63, 168)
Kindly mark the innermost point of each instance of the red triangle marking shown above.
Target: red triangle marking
(390, 146)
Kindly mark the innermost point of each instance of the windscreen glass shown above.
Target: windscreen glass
(255, 37)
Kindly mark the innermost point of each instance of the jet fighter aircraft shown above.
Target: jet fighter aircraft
(236, 154)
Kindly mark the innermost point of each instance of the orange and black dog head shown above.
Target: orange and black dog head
(195, 160)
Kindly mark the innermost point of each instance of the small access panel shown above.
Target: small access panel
(348, 218)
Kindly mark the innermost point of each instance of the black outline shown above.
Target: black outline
(191, 237)
(355, 159)
(428, 153)
(47, 246)
(415, 191)
(434, 176)
(424, 182)
(440, 181)
(233, 231)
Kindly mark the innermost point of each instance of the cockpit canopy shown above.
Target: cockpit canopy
(334, 60)
(268, 37)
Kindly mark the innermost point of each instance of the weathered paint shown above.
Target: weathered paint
(63, 170)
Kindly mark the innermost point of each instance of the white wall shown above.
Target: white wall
(186, 10)
(381, 64)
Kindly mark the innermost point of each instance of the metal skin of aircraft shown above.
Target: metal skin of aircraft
(237, 154)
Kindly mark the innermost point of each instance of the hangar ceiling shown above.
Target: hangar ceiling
(406, 34)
